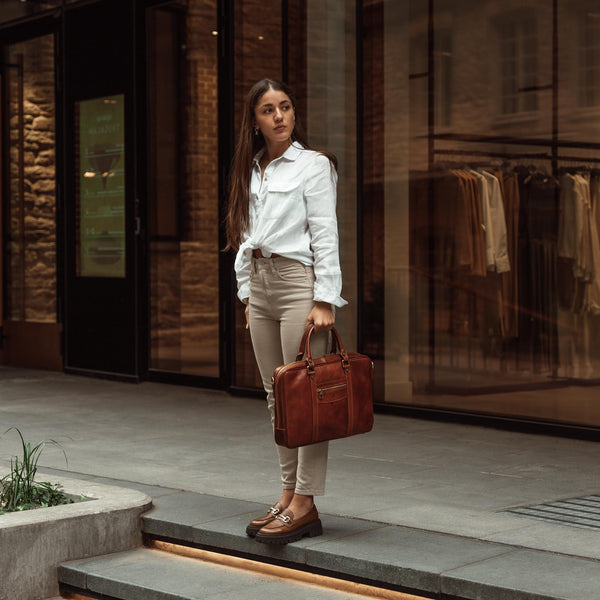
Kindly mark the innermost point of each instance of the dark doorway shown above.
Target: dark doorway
(104, 284)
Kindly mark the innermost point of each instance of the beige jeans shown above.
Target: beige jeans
(281, 297)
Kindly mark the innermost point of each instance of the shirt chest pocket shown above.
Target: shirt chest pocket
(283, 198)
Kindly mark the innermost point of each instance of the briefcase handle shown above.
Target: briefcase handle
(337, 346)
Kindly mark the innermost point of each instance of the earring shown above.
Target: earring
(256, 130)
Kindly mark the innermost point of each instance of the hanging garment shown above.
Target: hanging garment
(472, 235)
(494, 222)
(595, 199)
(591, 302)
(579, 242)
(509, 187)
(496, 226)
(537, 257)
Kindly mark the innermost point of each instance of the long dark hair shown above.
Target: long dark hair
(247, 146)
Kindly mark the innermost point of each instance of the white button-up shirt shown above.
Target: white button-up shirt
(292, 213)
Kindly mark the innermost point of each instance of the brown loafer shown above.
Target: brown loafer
(256, 524)
(284, 528)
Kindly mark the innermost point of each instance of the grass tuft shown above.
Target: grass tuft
(19, 490)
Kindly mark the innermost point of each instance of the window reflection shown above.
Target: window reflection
(517, 39)
(589, 58)
(258, 39)
(320, 41)
(183, 188)
(498, 175)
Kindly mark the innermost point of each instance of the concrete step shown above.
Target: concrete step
(388, 557)
(148, 574)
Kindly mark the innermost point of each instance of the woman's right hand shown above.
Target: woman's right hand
(246, 312)
(321, 317)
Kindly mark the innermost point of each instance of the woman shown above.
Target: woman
(282, 222)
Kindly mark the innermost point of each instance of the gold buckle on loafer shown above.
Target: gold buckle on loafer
(285, 518)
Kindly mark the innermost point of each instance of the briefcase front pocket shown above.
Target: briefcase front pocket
(332, 392)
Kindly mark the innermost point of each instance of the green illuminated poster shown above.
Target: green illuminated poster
(101, 159)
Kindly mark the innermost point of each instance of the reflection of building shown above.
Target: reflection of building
(397, 90)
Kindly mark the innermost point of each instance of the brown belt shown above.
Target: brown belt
(257, 253)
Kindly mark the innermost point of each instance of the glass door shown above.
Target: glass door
(104, 282)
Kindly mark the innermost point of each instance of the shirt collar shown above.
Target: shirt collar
(290, 154)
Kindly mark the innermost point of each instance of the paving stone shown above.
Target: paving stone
(548, 536)
(410, 558)
(176, 515)
(154, 491)
(229, 535)
(174, 436)
(525, 575)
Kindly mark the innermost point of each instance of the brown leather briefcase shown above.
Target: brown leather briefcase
(324, 398)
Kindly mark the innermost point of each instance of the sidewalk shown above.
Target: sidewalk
(438, 477)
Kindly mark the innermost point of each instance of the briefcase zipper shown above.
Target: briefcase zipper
(329, 388)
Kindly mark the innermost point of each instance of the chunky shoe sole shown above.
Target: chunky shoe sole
(252, 530)
(312, 529)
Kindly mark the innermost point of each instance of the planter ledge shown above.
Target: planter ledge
(34, 542)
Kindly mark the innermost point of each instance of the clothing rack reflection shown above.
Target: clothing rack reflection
(516, 155)
(478, 310)
(539, 246)
(515, 141)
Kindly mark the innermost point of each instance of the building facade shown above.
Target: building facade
(469, 182)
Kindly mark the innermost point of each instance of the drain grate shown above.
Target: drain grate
(577, 512)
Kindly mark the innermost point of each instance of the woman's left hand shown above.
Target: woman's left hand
(321, 316)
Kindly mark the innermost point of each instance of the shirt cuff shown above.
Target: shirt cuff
(244, 293)
(329, 292)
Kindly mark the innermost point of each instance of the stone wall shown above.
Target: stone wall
(31, 276)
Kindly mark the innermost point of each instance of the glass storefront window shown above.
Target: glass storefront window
(183, 187)
(319, 37)
(577, 168)
(258, 43)
(331, 116)
(504, 207)
(385, 155)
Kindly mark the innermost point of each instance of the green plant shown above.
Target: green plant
(19, 490)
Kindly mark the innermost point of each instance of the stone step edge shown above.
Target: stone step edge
(457, 579)
(69, 574)
(320, 577)
(196, 550)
